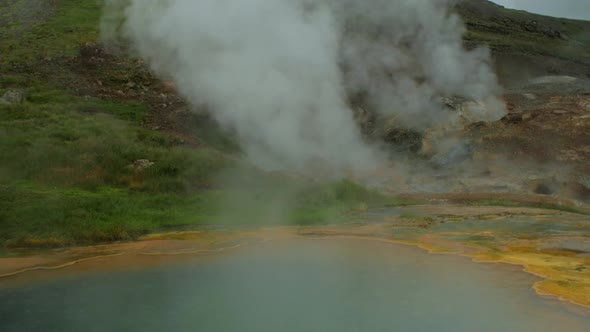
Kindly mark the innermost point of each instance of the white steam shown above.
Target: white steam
(406, 54)
(279, 72)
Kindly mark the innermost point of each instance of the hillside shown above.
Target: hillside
(525, 44)
(544, 65)
(96, 148)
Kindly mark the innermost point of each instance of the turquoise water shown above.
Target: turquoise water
(299, 285)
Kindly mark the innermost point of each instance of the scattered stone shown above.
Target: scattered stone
(545, 187)
(531, 26)
(130, 85)
(510, 106)
(530, 96)
(555, 34)
(13, 97)
(527, 116)
(402, 138)
(550, 186)
(169, 87)
(476, 125)
(142, 164)
(513, 118)
(454, 103)
(577, 191)
(92, 51)
(560, 112)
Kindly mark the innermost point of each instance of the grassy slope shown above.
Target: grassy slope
(516, 32)
(65, 176)
(72, 23)
(63, 172)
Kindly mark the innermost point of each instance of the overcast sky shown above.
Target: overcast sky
(579, 9)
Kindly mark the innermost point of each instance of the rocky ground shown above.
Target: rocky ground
(540, 147)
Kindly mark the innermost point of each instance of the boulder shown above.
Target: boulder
(142, 164)
(576, 190)
(13, 97)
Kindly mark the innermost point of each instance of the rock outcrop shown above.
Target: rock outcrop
(13, 97)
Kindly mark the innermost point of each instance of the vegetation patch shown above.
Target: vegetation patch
(70, 24)
(84, 161)
(70, 175)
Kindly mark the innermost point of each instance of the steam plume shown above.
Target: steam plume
(279, 72)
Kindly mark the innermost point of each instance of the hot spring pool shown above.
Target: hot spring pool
(296, 285)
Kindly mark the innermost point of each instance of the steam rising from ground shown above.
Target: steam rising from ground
(406, 54)
(280, 73)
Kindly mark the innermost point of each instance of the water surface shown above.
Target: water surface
(299, 285)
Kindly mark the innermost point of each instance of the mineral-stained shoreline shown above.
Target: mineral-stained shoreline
(553, 245)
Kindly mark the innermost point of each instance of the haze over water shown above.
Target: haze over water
(302, 285)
